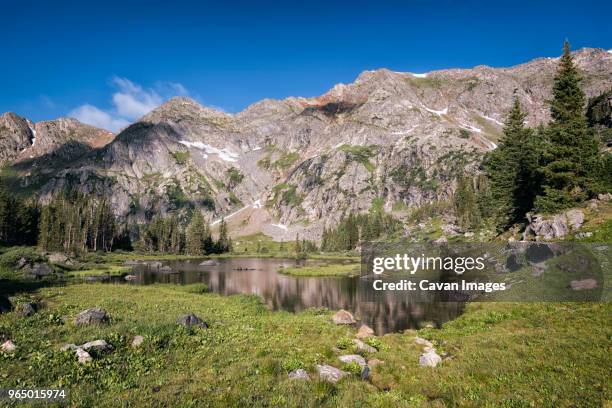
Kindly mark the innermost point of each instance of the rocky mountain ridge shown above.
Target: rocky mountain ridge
(390, 139)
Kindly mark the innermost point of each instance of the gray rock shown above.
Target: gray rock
(26, 309)
(365, 373)
(21, 263)
(137, 342)
(582, 235)
(353, 358)
(155, 264)
(209, 262)
(343, 317)
(39, 270)
(584, 284)
(191, 320)
(70, 346)
(91, 316)
(8, 346)
(299, 374)
(430, 359)
(422, 342)
(575, 218)
(83, 356)
(58, 257)
(441, 240)
(361, 346)
(364, 331)
(98, 345)
(129, 277)
(329, 373)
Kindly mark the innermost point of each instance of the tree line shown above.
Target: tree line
(74, 222)
(546, 169)
(357, 228)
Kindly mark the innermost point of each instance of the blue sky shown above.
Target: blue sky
(108, 62)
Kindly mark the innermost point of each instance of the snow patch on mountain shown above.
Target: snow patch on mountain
(224, 154)
(437, 112)
(493, 120)
(419, 75)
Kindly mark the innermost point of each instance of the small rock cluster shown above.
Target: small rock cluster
(333, 374)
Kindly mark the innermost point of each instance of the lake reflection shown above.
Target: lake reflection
(383, 311)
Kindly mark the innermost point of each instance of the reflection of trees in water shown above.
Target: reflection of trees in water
(383, 311)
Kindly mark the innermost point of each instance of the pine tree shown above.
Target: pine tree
(196, 235)
(512, 172)
(571, 159)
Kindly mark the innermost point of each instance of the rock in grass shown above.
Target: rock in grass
(98, 345)
(584, 284)
(8, 346)
(26, 309)
(365, 373)
(137, 342)
(364, 331)
(299, 374)
(430, 359)
(343, 317)
(422, 342)
(329, 373)
(191, 320)
(91, 316)
(353, 358)
(69, 347)
(361, 346)
(83, 356)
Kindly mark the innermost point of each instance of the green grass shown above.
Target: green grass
(101, 270)
(503, 354)
(323, 270)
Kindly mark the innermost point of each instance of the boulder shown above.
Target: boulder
(584, 284)
(91, 316)
(191, 320)
(329, 373)
(441, 240)
(365, 373)
(8, 346)
(83, 356)
(299, 374)
(98, 345)
(343, 317)
(430, 359)
(39, 270)
(422, 342)
(137, 342)
(26, 309)
(556, 227)
(21, 263)
(364, 331)
(353, 358)
(361, 346)
(57, 257)
(209, 262)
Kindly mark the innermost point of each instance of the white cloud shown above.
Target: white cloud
(97, 117)
(130, 102)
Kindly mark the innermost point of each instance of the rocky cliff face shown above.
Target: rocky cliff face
(389, 139)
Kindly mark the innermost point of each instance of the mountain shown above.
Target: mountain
(62, 139)
(390, 139)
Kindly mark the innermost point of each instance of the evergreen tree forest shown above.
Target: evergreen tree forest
(548, 169)
(73, 222)
(355, 229)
